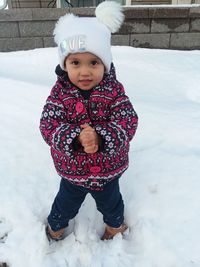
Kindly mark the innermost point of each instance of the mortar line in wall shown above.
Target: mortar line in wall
(43, 42)
(188, 14)
(31, 14)
(150, 25)
(190, 21)
(19, 34)
(170, 35)
(149, 17)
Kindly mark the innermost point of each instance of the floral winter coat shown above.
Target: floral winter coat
(108, 111)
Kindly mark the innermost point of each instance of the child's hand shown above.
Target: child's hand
(89, 139)
(91, 149)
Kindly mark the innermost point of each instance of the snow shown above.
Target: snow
(160, 189)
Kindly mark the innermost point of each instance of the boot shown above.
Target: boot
(54, 235)
(110, 232)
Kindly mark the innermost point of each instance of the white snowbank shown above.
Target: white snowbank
(160, 189)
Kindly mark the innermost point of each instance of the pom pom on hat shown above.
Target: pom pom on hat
(75, 34)
(110, 14)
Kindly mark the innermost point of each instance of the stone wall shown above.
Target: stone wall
(151, 27)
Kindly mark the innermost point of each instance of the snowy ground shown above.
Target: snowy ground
(160, 189)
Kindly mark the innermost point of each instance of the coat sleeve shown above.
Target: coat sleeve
(54, 127)
(123, 123)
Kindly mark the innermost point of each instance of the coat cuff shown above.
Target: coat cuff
(111, 137)
(63, 137)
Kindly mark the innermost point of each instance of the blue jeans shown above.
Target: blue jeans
(70, 197)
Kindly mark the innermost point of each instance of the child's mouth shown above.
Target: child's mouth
(85, 82)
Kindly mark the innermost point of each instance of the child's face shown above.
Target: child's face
(85, 70)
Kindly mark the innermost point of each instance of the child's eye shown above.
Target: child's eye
(75, 62)
(94, 62)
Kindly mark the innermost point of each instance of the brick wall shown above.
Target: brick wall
(151, 27)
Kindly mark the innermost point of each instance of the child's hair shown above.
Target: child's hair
(75, 34)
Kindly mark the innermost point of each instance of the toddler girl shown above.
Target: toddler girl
(88, 121)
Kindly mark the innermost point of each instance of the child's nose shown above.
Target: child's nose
(84, 71)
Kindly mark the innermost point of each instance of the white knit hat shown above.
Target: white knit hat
(75, 34)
